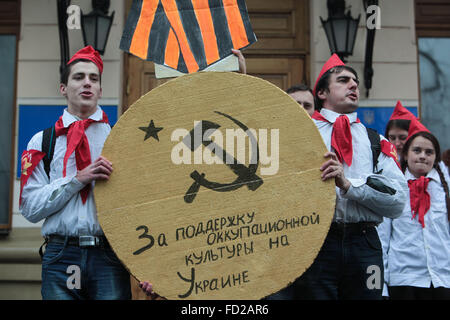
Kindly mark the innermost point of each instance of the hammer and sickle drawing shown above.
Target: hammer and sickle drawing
(244, 175)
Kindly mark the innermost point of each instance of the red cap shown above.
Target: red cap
(401, 113)
(416, 127)
(91, 54)
(334, 61)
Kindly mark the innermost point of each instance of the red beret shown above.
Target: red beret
(334, 61)
(91, 54)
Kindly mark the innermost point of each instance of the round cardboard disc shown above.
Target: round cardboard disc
(216, 190)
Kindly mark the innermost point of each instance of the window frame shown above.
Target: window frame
(10, 16)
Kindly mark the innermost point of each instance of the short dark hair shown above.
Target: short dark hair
(67, 68)
(302, 87)
(324, 82)
(397, 123)
(299, 87)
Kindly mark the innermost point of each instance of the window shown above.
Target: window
(9, 35)
(433, 42)
(435, 87)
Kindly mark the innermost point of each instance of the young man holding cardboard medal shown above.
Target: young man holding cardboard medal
(350, 264)
(78, 262)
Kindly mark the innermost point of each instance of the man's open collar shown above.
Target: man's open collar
(331, 116)
(69, 118)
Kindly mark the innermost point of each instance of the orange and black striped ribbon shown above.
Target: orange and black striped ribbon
(186, 35)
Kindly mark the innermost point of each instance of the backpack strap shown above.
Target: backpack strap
(375, 145)
(48, 146)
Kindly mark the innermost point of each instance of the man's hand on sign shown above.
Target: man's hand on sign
(241, 59)
(147, 288)
(100, 169)
(332, 168)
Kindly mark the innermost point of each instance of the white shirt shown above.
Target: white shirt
(362, 203)
(58, 200)
(416, 256)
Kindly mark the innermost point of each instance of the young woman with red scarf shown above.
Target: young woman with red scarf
(416, 246)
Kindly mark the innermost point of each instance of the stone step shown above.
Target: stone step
(20, 265)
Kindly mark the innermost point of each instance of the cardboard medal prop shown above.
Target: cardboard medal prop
(216, 190)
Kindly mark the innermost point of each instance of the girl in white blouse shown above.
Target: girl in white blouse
(416, 246)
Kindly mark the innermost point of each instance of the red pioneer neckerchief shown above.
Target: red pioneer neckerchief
(341, 137)
(419, 198)
(78, 142)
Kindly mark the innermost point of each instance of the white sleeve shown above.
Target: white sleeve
(42, 198)
(385, 194)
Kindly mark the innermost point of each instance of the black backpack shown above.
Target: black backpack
(48, 146)
(375, 145)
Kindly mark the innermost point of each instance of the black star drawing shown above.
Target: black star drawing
(151, 131)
